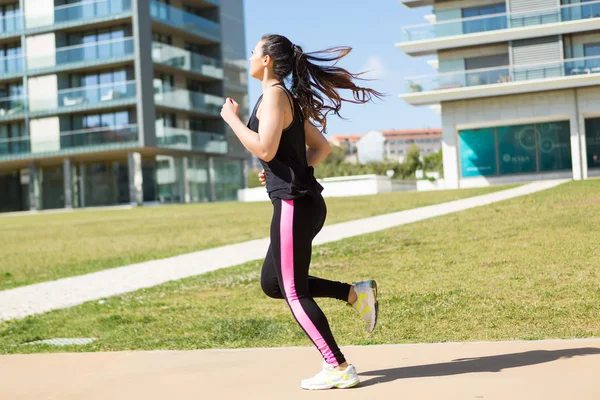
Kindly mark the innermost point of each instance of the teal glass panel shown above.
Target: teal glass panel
(592, 140)
(517, 149)
(478, 152)
(554, 143)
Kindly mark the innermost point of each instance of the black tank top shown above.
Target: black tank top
(288, 174)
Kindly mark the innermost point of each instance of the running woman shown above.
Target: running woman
(280, 128)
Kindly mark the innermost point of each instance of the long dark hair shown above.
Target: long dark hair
(310, 82)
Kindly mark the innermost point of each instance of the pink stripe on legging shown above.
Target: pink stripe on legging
(286, 237)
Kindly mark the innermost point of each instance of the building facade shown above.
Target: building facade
(388, 144)
(110, 102)
(518, 85)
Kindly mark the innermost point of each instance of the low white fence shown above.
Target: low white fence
(357, 185)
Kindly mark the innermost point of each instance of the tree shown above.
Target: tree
(434, 162)
(413, 161)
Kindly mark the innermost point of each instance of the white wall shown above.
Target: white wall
(359, 185)
(42, 93)
(41, 51)
(44, 134)
(458, 4)
(38, 13)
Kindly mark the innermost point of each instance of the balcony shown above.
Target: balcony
(11, 25)
(190, 101)
(432, 89)
(185, 139)
(185, 60)
(12, 108)
(12, 147)
(83, 55)
(426, 39)
(11, 66)
(77, 141)
(84, 12)
(185, 21)
(105, 137)
(85, 98)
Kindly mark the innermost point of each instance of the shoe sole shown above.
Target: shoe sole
(374, 304)
(344, 385)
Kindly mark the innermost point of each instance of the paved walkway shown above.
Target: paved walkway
(68, 292)
(499, 370)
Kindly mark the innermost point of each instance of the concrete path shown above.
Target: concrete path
(68, 292)
(498, 370)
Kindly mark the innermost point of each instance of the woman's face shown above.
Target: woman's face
(257, 62)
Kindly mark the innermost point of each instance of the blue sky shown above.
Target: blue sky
(371, 28)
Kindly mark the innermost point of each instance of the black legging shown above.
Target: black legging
(294, 225)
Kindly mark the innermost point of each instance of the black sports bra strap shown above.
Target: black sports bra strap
(287, 94)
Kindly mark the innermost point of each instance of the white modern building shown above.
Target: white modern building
(518, 83)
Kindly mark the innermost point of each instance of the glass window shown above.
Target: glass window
(494, 75)
(484, 24)
(118, 44)
(122, 118)
(592, 140)
(554, 146)
(228, 178)
(590, 10)
(90, 84)
(161, 38)
(592, 51)
(198, 179)
(91, 121)
(107, 120)
(478, 152)
(170, 179)
(517, 149)
(9, 21)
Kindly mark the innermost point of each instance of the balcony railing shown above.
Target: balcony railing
(11, 65)
(11, 107)
(179, 58)
(184, 20)
(82, 11)
(492, 22)
(82, 53)
(11, 24)
(71, 141)
(83, 97)
(14, 146)
(189, 100)
(100, 136)
(503, 74)
(186, 139)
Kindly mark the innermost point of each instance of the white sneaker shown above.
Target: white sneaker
(330, 378)
(366, 304)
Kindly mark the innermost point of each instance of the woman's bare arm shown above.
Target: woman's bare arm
(318, 146)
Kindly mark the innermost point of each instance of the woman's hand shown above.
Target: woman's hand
(230, 110)
(262, 178)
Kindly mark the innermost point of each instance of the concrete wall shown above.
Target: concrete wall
(460, 4)
(44, 134)
(42, 92)
(41, 51)
(38, 13)
(571, 104)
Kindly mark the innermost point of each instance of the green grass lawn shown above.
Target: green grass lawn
(51, 246)
(526, 268)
